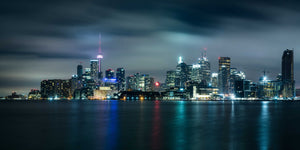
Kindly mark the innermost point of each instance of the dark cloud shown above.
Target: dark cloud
(142, 36)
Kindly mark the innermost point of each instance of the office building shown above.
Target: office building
(224, 75)
(94, 69)
(120, 75)
(56, 89)
(287, 72)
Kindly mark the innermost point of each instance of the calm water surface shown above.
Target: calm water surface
(89, 125)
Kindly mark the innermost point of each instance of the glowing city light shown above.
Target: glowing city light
(156, 83)
(180, 60)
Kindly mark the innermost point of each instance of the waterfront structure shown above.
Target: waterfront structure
(120, 76)
(34, 94)
(224, 74)
(15, 96)
(56, 89)
(287, 72)
(103, 93)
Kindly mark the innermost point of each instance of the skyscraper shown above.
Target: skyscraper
(94, 69)
(205, 69)
(170, 79)
(99, 57)
(120, 75)
(287, 71)
(224, 74)
(181, 74)
(79, 71)
(109, 73)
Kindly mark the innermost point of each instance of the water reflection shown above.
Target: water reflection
(156, 127)
(112, 132)
(264, 124)
(180, 123)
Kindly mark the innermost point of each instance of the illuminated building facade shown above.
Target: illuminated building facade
(109, 73)
(56, 89)
(120, 75)
(94, 69)
(34, 94)
(182, 72)
(224, 75)
(287, 71)
(205, 72)
(214, 79)
(140, 82)
(79, 71)
(170, 79)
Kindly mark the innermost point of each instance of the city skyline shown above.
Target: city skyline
(142, 38)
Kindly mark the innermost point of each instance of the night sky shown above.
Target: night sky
(47, 40)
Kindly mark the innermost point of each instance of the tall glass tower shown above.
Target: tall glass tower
(224, 74)
(287, 71)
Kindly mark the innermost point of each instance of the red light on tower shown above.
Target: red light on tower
(156, 83)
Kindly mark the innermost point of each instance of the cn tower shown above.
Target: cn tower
(99, 56)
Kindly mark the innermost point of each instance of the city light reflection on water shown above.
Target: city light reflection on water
(149, 125)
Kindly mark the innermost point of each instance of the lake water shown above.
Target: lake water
(89, 125)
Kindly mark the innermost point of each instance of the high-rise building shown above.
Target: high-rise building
(120, 75)
(235, 75)
(79, 71)
(140, 82)
(109, 73)
(94, 69)
(205, 69)
(287, 71)
(196, 75)
(214, 80)
(181, 74)
(99, 57)
(56, 88)
(131, 83)
(170, 79)
(224, 74)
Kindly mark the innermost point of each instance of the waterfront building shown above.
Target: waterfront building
(56, 89)
(15, 96)
(34, 94)
(287, 71)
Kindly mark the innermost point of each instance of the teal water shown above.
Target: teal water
(89, 125)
